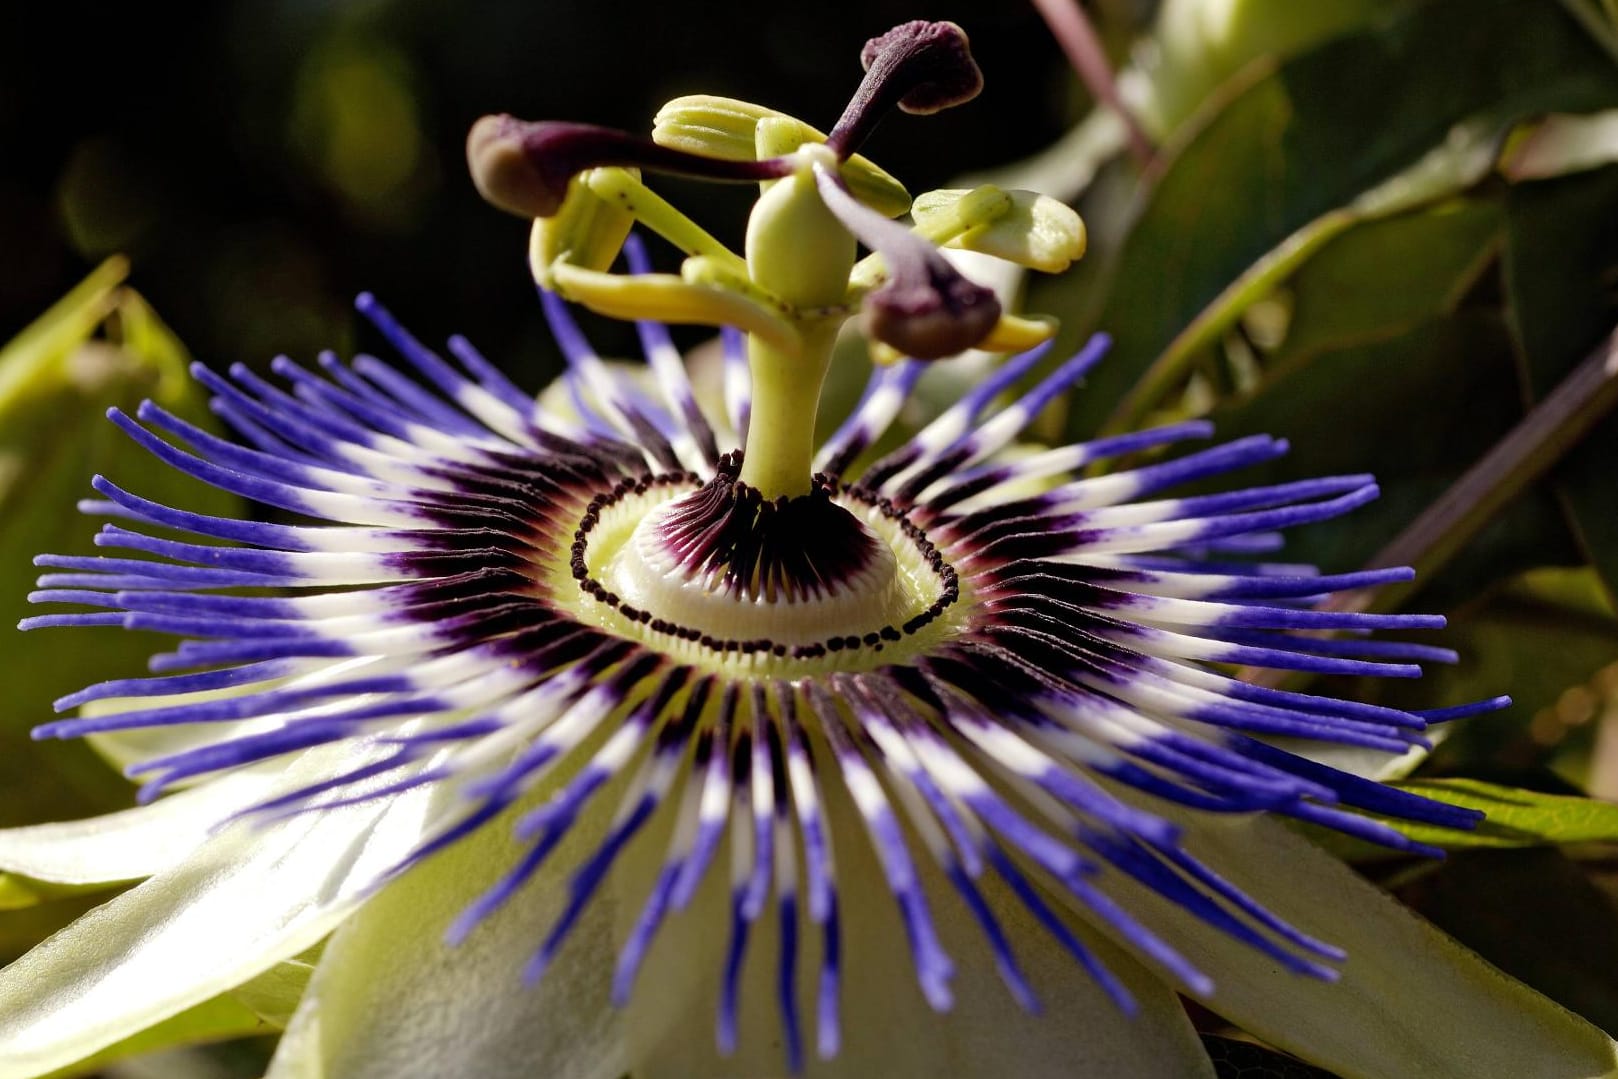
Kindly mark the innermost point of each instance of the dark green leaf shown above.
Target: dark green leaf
(1534, 914)
(57, 379)
(1386, 276)
(1293, 145)
(1516, 818)
(1234, 1059)
(1416, 410)
(1562, 281)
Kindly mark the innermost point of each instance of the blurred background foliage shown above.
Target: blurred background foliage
(1386, 230)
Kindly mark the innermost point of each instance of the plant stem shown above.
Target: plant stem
(1073, 31)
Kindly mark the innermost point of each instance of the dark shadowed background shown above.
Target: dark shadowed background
(261, 162)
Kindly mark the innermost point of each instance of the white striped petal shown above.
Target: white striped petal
(391, 1000)
(245, 901)
(1410, 1002)
(132, 843)
(888, 1029)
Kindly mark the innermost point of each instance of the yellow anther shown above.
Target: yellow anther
(721, 273)
(883, 354)
(941, 216)
(727, 128)
(587, 231)
(1031, 230)
(622, 189)
(667, 298)
(1014, 333)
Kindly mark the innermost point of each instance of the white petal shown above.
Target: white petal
(391, 1000)
(246, 900)
(1368, 763)
(1411, 1001)
(132, 843)
(888, 1029)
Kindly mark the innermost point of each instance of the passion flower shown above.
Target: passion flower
(551, 661)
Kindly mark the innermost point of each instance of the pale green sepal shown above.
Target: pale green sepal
(218, 1019)
(132, 843)
(123, 748)
(1410, 1000)
(666, 298)
(1031, 230)
(259, 1006)
(726, 128)
(587, 231)
(391, 1000)
(273, 996)
(888, 1029)
(248, 899)
(64, 326)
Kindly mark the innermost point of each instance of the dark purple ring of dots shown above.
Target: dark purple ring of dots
(823, 486)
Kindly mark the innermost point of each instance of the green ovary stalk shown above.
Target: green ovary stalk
(801, 253)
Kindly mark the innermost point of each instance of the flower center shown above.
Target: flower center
(719, 575)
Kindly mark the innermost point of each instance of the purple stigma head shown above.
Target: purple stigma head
(524, 167)
(925, 308)
(921, 67)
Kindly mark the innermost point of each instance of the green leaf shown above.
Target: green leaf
(1394, 408)
(1385, 277)
(1291, 146)
(1458, 163)
(1198, 45)
(1562, 283)
(1516, 818)
(99, 347)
